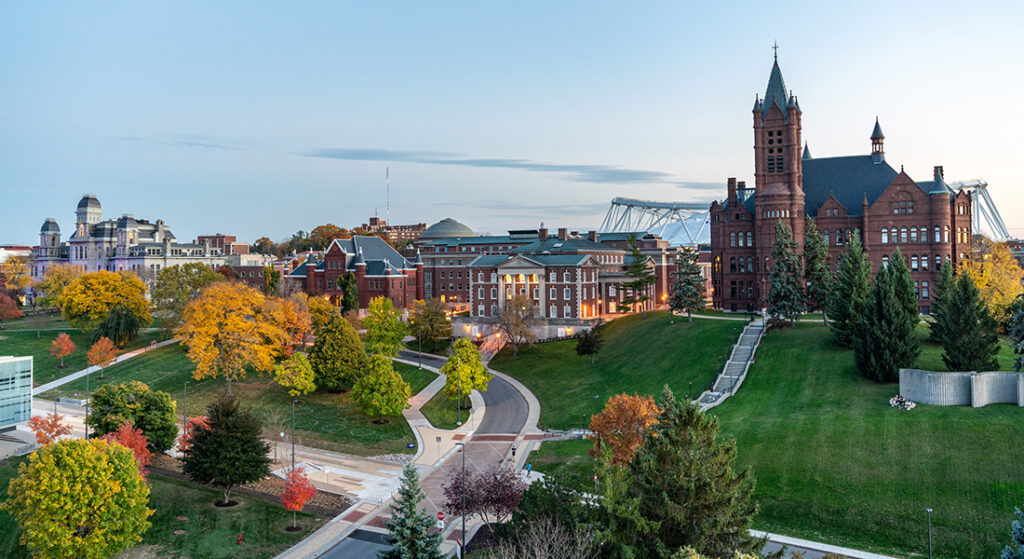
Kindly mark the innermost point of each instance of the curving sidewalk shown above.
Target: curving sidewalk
(88, 370)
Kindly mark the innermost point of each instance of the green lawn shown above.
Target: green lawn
(638, 356)
(440, 349)
(25, 342)
(443, 413)
(48, 321)
(322, 420)
(569, 459)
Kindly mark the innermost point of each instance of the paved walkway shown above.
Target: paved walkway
(736, 367)
(88, 370)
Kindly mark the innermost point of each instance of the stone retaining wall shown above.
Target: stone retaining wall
(962, 389)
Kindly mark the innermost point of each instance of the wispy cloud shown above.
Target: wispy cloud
(529, 209)
(701, 185)
(187, 140)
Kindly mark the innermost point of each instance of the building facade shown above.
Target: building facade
(15, 391)
(397, 235)
(859, 194)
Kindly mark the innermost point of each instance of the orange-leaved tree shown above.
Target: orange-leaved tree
(227, 330)
(8, 309)
(297, 490)
(62, 347)
(621, 425)
(49, 427)
(193, 423)
(292, 318)
(136, 442)
(101, 354)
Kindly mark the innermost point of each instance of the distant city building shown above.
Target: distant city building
(15, 391)
(859, 194)
(227, 244)
(251, 268)
(397, 235)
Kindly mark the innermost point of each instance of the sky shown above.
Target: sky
(259, 118)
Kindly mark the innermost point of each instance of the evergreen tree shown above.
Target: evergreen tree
(970, 342)
(350, 292)
(786, 294)
(939, 298)
(589, 342)
(682, 489)
(903, 286)
(817, 274)
(846, 301)
(1015, 329)
(337, 356)
(409, 528)
(1016, 549)
(688, 288)
(642, 276)
(121, 326)
(886, 341)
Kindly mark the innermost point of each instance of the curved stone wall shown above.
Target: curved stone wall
(962, 389)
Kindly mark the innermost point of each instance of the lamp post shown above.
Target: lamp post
(929, 533)
(184, 410)
(419, 352)
(293, 434)
(462, 546)
(86, 403)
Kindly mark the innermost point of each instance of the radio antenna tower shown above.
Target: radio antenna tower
(387, 181)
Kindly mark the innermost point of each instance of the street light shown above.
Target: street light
(87, 403)
(929, 533)
(184, 410)
(462, 544)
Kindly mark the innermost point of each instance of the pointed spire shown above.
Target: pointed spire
(877, 134)
(757, 107)
(807, 151)
(776, 92)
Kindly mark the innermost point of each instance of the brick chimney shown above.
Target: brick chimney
(542, 234)
(563, 233)
(592, 235)
(732, 193)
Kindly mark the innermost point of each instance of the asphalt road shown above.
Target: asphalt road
(359, 544)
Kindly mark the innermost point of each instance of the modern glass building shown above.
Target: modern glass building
(15, 391)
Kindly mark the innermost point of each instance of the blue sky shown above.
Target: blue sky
(255, 118)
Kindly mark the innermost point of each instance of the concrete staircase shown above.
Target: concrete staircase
(736, 367)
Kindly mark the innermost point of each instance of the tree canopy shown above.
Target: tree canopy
(589, 342)
(295, 374)
(970, 342)
(516, 322)
(337, 356)
(997, 275)
(688, 287)
(384, 328)
(846, 302)
(886, 340)
(133, 402)
(8, 309)
(175, 287)
(818, 278)
(50, 288)
(409, 530)
(381, 391)
(786, 299)
(903, 286)
(87, 300)
(428, 322)
(121, 326)
(635, 289)
(464, 370)
(621, 425)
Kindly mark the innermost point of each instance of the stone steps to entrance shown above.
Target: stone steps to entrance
(735, 369)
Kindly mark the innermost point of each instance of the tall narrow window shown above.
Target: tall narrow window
(885, 236)
(938, 234)
(913, 234)
(903, 235)
(732, 238)
(825, 234)
(750, 238)
(913, 263)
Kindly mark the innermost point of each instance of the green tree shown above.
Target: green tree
(886, 341)
(271, 280)
(939, 298)
(264, 245)
(465, 370)
(381, 391)
(1016, 549)
(349, 292)
(429, 323)
(295, 374)
(551, 498)
(636, 289)
(818, 277)
(903, 286)
(785, 293)
(152, 411)
(77, 498)
(384, 328)
(1015, 330)
(517, 321)
(971, 342)
(682, 490)
(688, 288)
(320, 310)
(121, 326)
(589, 342)
(846, 302)
(230, 452)
(337, 356)
(175, 287)
(409, 528)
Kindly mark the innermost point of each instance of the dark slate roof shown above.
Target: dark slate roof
(621, 236)
(567, 246)
(488, 261)
(372, 248)
(488, 240)
(776, 92)
(495, 260)
(299, 271)
(807, 151)
(381, 268)
(876, 134)
(88, 201)
(50, 226)
(849, 179)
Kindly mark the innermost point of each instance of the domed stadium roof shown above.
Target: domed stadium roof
(88, 201)
(445, 229)
(50, 226)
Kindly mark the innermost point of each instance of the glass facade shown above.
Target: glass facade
(15, 390)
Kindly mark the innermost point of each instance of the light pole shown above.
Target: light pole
(929, 533)
(419, 352)
(86, 403)
(462, 545)
(293, 434)
(184, 410)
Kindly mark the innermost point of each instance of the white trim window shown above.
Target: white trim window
(567, 310)
(553, 312)
(554, 294)
(567, 293)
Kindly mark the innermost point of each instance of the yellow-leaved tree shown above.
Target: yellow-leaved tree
(87, 300)
(997, 275)
(227, 329)
(55, 280)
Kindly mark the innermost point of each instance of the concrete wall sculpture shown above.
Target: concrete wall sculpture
(962, 389)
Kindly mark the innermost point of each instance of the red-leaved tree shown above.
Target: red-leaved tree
(185, 438)
(135, 441)
(8, 308)
(62, 347)
(297, 490)
(48, 428)
(621, 425)
(102, 353)
(494, 494)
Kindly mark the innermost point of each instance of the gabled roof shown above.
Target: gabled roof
(371, 248)
(776, 92)
(554, 245)
(849, 179)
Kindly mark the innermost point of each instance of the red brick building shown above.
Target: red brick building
(228, 244)
(397, 235)
(862, 194)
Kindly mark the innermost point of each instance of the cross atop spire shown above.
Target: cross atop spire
(775, 47)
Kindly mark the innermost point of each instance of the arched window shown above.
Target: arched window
(885, 236)
(739, 240)
(903, 235)
(913, 263)
(825, 234)
(750, 264)
(846, 237)
(938, 234)
(945, 237)
(732, 238)
(924, 263)
(750, 238)
(732, 264)
(885, 262)
(913, 234)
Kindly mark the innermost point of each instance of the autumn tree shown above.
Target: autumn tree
(297, 490)
(88, 299)
(517, 321)
(48, 428)
(970, 342)
(547, 539)
(61, 347)
(8, 309)
(688, 286)
(50, 288)
(264, 245)
(105, 514)
(337, 356)
(384, 328)
(640, 278)
(381, 391)
(227, 331)
(322, 235)
(997, 275)
(175, 287)
(295, 374)
(620, 427)
(818, 278)
(409, 529)
(319, 309)
(152, 411)
(16, 273)
(464, 370)
(230, 451)
(429, 322)
(133, 439)
(101, 354)
(492, 492)
(292, 319)
(226, 272)
(193, 424)
(121, 327)
(349, 292)
(589, 342)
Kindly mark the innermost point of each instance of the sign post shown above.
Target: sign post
(440, 520)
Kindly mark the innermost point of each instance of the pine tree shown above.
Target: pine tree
(939, 297)
(688, 287)
(846, 301)
(409, 528)
(886, 340)
(785, 294)
(1016, 550)
(817, 274)
(589, 342)
(1015, 329)
(903, 286)
(636, 288)
(970, 342)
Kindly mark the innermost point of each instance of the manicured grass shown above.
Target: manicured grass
(46, 321)
(440, 349)
(443, 413)
(25, 342)
(322, 420)
(638, 356)
(835, 463)
(569, 459)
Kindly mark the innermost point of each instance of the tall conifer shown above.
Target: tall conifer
(970, 342)
(409, 528)
(903, 286)
(847, 298)
(886, 341)
(817, 275)
(939, 297)
(786, 291)
(688, 287)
